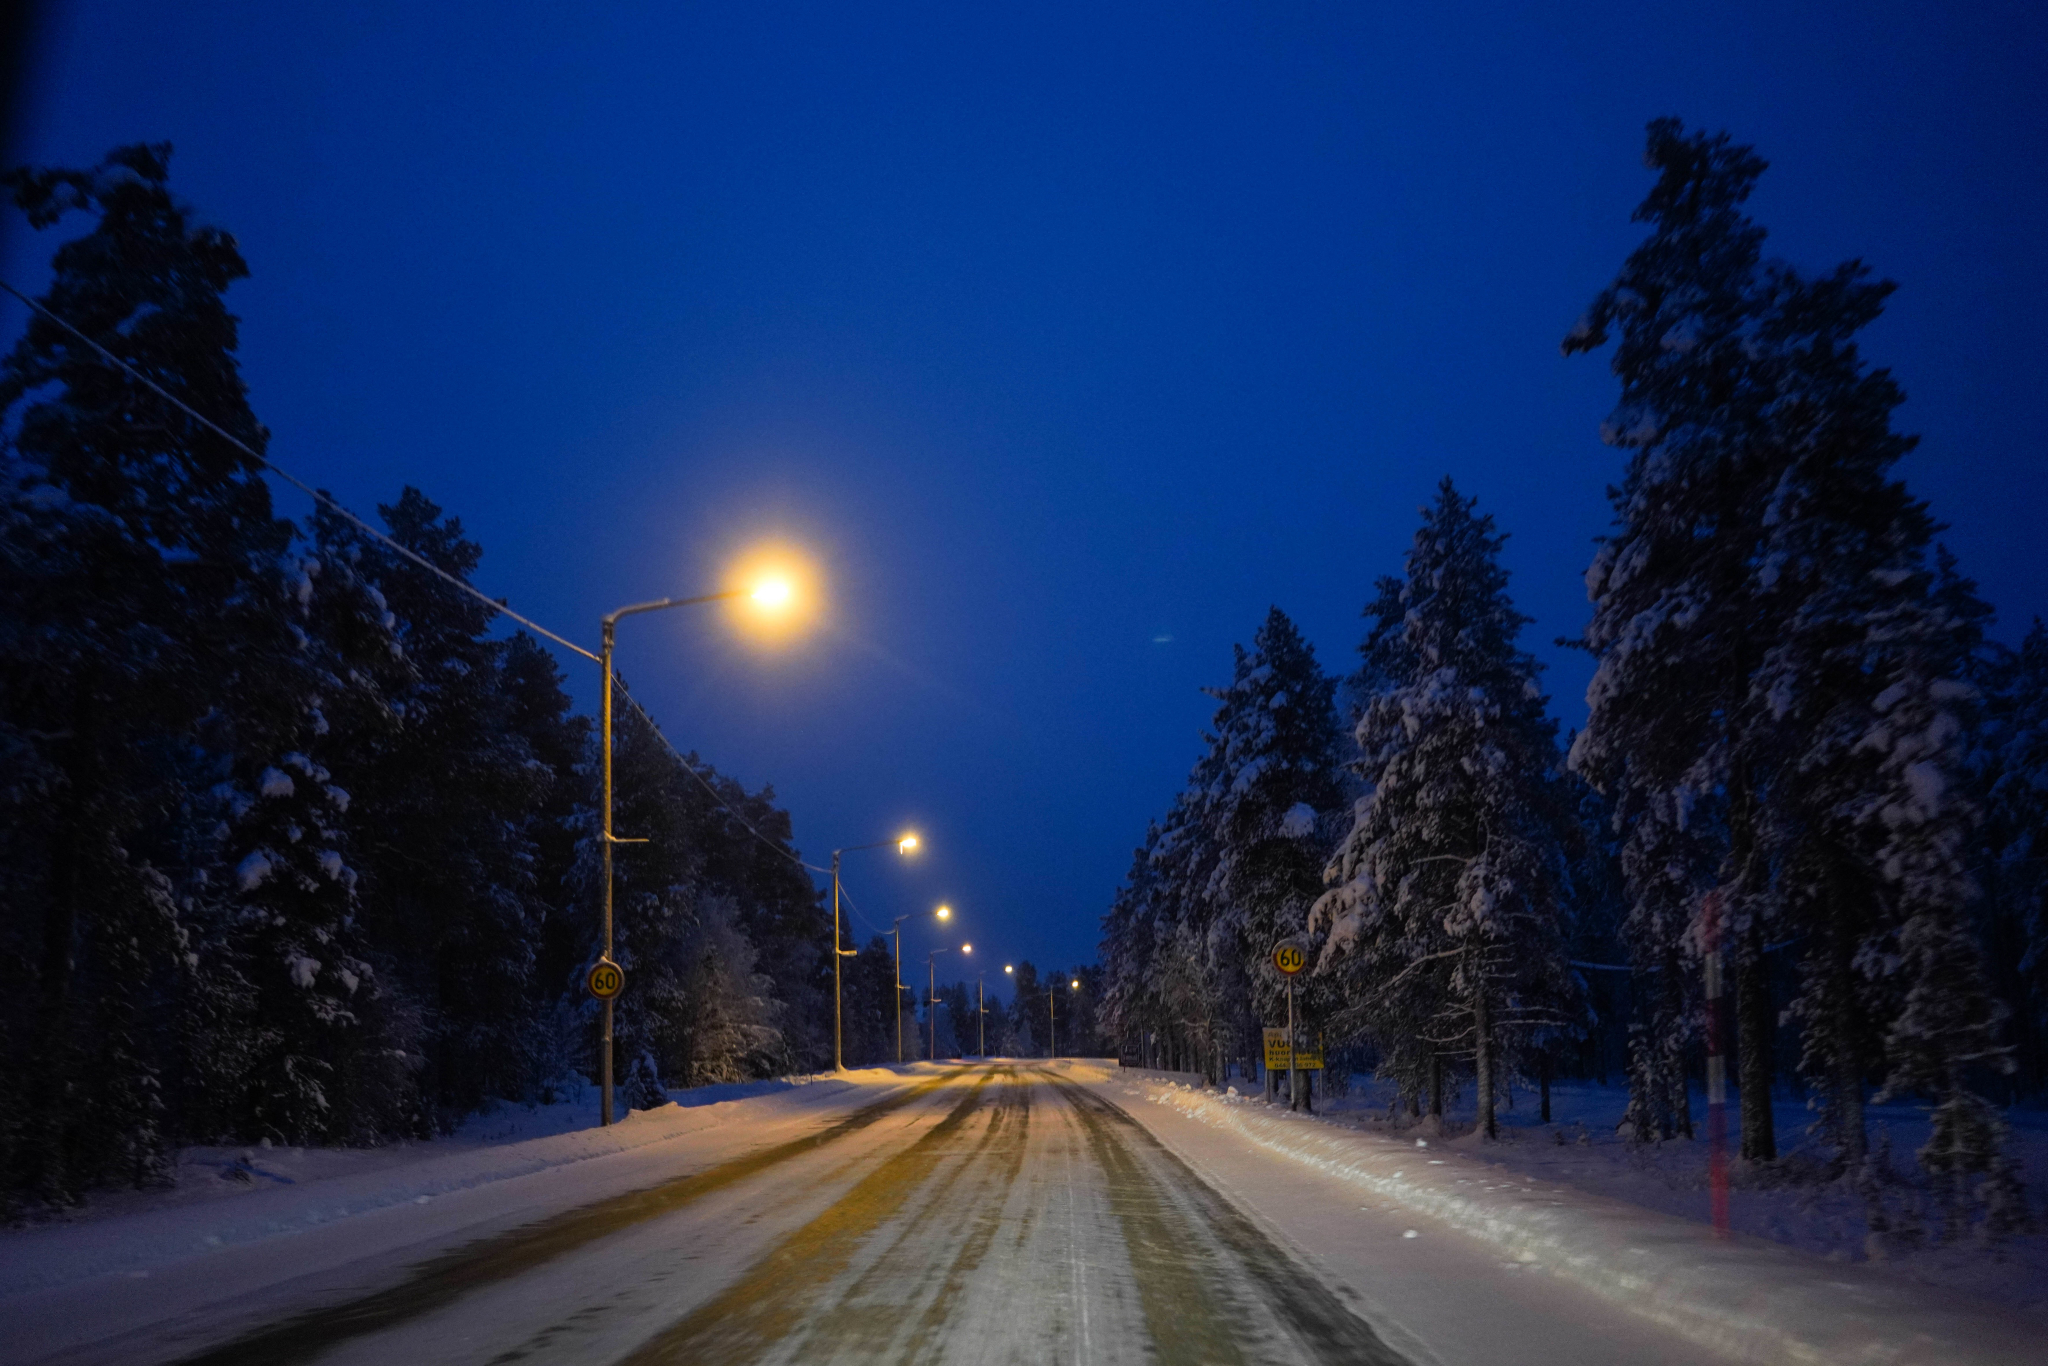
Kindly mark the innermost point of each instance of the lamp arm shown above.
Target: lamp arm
(659, 603)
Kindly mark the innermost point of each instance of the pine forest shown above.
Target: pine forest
(1806, 772)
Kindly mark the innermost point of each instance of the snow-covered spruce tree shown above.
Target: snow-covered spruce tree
(776, 905)
(1273, 786)
(160, 673)
(731, 1034)
(2014, 770)
(1167, 984)
(1881, 859)
(1128, 949)
(1028, 1019)
(1679, 628)
(450, 802)
(538, 708)
(1778, 639)
(870, 993)
(1445, 922)
(1673, 843)
(662, 890)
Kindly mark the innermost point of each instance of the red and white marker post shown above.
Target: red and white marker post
(1717, 1066)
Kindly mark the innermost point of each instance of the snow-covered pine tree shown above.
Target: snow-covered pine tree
(697, 855)
(1274, 784)
(1027, 1011)
(1445, 922)
(449, 802)
(775, 903)
(538, 709)
(2015, 777)
(655, 887)
(1873, 678)
(1779, 642)
(161, 672)
(1678, 629)
(730, 1033)
(1128, 949)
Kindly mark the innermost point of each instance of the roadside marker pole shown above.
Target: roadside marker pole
(1717, 1069)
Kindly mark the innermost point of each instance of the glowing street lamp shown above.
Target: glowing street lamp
(773, 596)
(1052, 1029)
(906, 844)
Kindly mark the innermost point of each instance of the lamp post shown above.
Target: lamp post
(981, 1009)
(905, 844)
(896, 933)
(609, 628)
(931, 993)
(1051, 1025)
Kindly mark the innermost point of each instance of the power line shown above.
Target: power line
(716, 795)
(325, 500)
(495, 605)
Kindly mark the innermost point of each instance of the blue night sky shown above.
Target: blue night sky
(1068, 339)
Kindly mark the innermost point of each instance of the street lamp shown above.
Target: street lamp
(1052, 1030)
(772, 595)
(931, 1014)
(981, 1009)
(896, 933)
(905, 844)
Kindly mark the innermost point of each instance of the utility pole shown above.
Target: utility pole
(1052, 1028)
(904, 845)
(931, 1013)
(896, 933)
(608, 627)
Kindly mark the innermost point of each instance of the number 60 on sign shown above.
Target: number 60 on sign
(606, 980)
(1290, 958)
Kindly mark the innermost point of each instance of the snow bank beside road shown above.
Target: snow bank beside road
(1751, 1300)
(292, 1191)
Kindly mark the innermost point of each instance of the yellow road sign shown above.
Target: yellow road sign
(1290, 958)
(606, 980)
(1305, 1059)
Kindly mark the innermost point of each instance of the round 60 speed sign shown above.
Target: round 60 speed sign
(1290, 958)
(606, 980)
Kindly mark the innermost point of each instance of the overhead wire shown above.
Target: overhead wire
(324, 499)
(496, 605)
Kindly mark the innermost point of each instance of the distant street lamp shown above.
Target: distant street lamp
(1052, 1032)
(772, 594)
(896, 933)
(905, 844)
(931, 992)
(981, 1009)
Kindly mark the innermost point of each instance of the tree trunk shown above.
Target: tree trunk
(1543, 1083)
(1436, 1090)
(1482, 1034)
(1755, 1040)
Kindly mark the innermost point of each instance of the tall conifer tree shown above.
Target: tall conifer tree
(1446, 920)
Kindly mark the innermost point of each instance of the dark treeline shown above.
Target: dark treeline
(1802, 753)
(293, 849)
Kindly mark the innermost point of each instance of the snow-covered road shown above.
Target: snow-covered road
(1009, 1212)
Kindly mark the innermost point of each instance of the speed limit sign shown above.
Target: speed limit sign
(1290, 958)
(606, 980)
